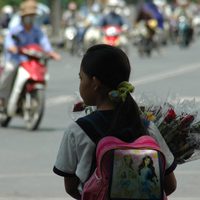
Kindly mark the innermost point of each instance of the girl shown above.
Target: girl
(104, 75)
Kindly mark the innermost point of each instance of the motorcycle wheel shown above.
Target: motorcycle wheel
(33, 113)
(4, 120)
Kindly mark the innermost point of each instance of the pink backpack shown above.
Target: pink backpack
(127, 171)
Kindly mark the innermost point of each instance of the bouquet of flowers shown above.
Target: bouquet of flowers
(179, 123)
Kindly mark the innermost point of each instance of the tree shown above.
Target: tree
(55, 6)
(14, 3)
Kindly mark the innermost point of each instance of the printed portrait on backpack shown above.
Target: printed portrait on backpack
(136, 174)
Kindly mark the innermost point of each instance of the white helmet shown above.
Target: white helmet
(113, 3)
(159, 3)
(7, 9)
(96, 8)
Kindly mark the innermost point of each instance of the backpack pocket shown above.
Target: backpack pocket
(137, 174)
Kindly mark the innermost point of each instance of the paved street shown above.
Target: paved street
(27, 158)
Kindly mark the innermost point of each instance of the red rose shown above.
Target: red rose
(171, 115)
(80, 106)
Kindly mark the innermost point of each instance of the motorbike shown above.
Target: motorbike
(115, 36)
(145, 37)
(27, 98)
(92, 36)
(70, 34)
(184, 32)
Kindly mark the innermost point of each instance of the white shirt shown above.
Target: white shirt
(77, 149)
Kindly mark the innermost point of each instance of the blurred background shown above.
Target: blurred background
(161, 39)
(149, 23)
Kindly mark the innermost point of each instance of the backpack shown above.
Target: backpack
(121, 172)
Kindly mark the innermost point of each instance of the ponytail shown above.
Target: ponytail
(127, 123)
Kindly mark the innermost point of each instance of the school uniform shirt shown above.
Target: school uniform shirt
(76, 153)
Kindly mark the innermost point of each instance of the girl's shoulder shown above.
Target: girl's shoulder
(95, 125)
(75, 133)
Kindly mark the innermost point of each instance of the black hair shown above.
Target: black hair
(111, 66)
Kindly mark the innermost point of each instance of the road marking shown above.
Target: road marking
(53, 101)
(59, 100)
(166, 75)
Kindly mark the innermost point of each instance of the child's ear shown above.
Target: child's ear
(97, 83)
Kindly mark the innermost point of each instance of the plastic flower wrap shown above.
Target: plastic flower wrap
(179, 123)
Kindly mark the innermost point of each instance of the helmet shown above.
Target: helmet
(152, 23)
(95, 8)
(159, 3)
(28, 8)
(113, 3)
(7, 9)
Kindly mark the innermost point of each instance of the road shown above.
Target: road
(27, 158)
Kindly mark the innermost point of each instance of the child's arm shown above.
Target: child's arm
(170, 183)
(71, 186)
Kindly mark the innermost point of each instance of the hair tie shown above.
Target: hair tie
(120, 94)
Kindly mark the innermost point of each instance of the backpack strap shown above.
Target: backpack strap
(94, 125)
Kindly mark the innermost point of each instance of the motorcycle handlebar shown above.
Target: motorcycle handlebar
(32, 52)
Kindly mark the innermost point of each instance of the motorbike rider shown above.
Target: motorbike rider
(153, 19)
(94, 15)
(183, 10)
(70, 16)
(42, 17)
(112, 17)
(5, 16)
(148, 10)
(21, 35)
(73, 17)
(93, 33)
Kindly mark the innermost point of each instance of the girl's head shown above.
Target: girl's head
(103, 69)
(108, 65)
